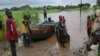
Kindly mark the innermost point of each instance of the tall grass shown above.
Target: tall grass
(18, 16)
(2, 30)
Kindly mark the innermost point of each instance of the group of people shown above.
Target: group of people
(11, 31)
(60, 29)
(12, 34)
(93, 30)
(61, 32)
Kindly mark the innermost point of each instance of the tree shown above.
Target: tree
(87, 4)
(25, 7)
(71, 6)
(95, 7)
(52, 7)
(79, 5)
(85, 7)
(61, 7)
(14, 8)
(49, 7)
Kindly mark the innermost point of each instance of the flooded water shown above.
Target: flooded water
(47, 47)
(78, 34)
(76, 26)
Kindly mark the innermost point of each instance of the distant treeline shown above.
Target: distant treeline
(49, 7)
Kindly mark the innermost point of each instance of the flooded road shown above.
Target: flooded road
(50, 47)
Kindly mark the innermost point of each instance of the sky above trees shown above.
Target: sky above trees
(35, 3)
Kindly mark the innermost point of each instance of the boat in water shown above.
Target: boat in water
(42, 30)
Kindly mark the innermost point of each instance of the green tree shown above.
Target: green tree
(61, 7)
(14, 8)
(95, 7)
(25, 7)
(49, 7)
(87, 4)
(85, 7)
(80, 5)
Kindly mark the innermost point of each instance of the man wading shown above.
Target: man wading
(60, 31)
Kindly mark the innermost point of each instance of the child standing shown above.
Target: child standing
(25, 31)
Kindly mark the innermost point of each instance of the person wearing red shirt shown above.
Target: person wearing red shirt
(11, 32)
(89, 26)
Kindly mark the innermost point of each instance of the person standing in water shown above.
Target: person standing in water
(60, 31)
(45, 13)
(93, 48)
(89, 26)
(11, 32)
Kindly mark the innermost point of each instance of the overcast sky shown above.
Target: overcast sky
(32, 3)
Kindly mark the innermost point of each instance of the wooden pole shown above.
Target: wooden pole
(80, 14)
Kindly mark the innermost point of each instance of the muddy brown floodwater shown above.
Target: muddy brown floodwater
(47, 47)
(77, 31)
(78, 34)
